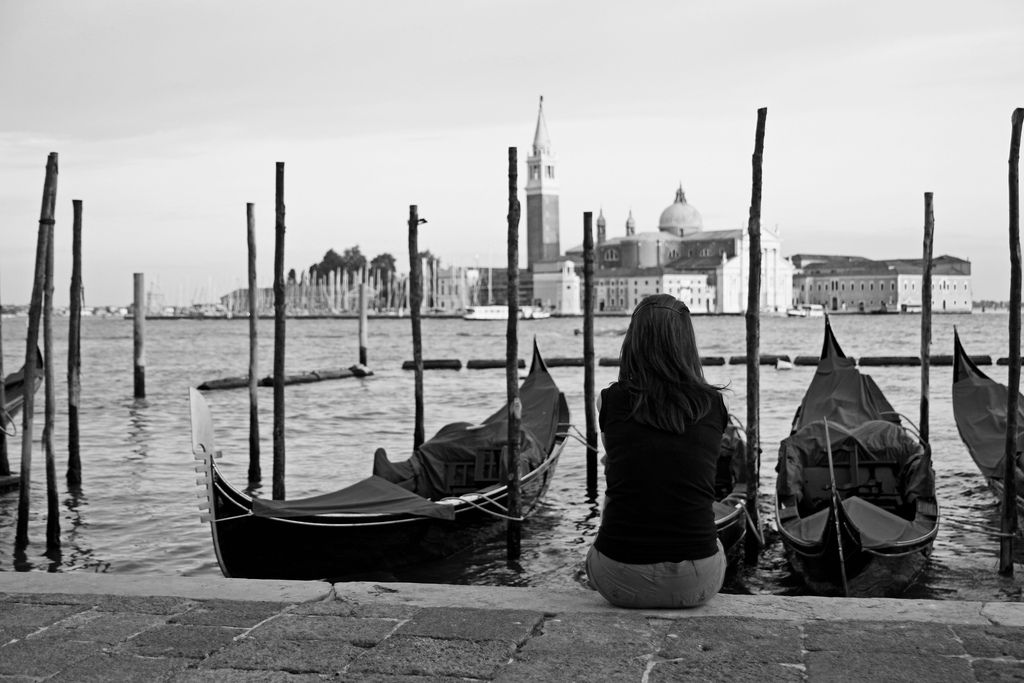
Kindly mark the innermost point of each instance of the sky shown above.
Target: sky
(169, 117)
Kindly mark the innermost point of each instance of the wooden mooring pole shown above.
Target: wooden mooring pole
(5, 462)
(1008, 520)
(513, 539)
(753, 540)
(279, 330)
(363, 305)
(139, 334)
(50, 399)
(255, 473)
(74, 475)
(31, 349)
(415, 300)
(926, 313)
(589, 398)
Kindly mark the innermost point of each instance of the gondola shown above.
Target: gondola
(448, 496)
(855, 501)
(979, 409)
(14, 390)
(731, 492)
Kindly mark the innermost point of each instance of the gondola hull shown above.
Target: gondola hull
(855, 498)
(979, 408)
(348, 547)
(876, 574)
(14, 387)
(451, 494)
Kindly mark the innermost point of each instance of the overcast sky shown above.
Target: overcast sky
(169, 116)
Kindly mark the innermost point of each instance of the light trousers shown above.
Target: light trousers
(663, 584)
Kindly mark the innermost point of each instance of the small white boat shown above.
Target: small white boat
(806, 311)
(500, 312)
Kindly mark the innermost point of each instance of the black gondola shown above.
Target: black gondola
(979, 409)
(14, 389)
(855, 494)
(448, 496)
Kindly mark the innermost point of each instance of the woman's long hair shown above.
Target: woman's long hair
(661, 368)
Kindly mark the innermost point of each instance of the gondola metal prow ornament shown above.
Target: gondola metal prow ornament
(836, 503)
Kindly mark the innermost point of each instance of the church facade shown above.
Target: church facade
(707, 270)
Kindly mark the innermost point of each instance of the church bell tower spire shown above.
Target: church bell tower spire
(542, 239)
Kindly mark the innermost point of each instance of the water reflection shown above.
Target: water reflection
(138, 427)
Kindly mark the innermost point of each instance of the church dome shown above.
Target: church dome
(680, 218)
(630, 224)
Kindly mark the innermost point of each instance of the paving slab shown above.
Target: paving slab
(826, 667)
(420, 656)
(913, 638)
(291, 656)
(176, 640)
(361, 632)
(105, 666)
(513, 626)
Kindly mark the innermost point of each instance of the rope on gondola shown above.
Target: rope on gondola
(982, 529)
(582, 439)
(481, 508)
(6, 419)
(754, 527)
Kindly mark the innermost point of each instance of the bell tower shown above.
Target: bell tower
(541, 197)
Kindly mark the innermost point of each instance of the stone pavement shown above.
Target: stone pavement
(104, 627)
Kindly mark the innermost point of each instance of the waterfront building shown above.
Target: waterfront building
(853, 283)
(705, 269)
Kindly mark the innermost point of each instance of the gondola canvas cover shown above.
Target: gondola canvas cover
(373, 495)
(839, 392)
(463, 442)
(877, 440)
(979, 408)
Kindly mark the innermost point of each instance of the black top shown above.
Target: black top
(660, 485)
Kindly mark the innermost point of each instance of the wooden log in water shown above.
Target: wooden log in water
(614, 362)
(946, 360)
(763, 359)
(878, 361)
(490, 363)
(74, 473)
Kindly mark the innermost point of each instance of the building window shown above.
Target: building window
(551, 171)
(534, 172)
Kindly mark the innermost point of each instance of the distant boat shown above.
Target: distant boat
(501, 313)
(806, 311)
